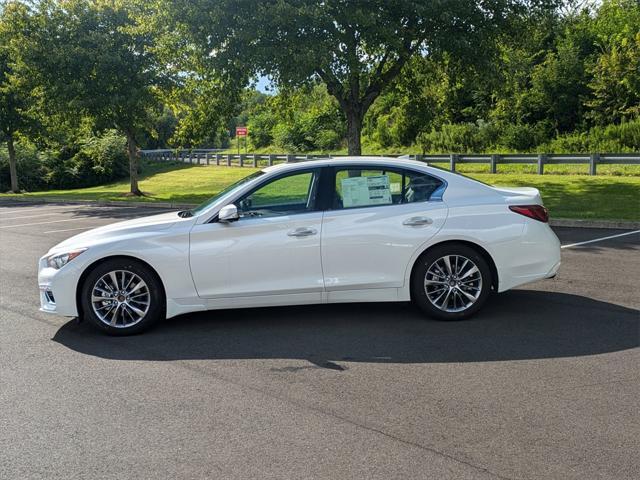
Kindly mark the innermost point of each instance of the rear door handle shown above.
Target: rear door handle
(417, 221)
(302, 232)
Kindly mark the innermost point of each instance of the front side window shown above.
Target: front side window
(377, 186)
(295, 193)
(235, 186)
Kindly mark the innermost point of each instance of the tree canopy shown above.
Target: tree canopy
(356, 48)
(94, 60)
(80, 78)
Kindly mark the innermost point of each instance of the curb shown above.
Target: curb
(554, 222)
(608, 224)
(100, 203)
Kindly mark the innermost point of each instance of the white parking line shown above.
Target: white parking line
(44, 208)
(2, 219)
(69, 229)
(599, 239)
(39, 223)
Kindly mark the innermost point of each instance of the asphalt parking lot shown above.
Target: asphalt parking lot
(543, 383)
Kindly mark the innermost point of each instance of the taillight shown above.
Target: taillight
(537, 212)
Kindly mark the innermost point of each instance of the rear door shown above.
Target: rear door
(377, 219)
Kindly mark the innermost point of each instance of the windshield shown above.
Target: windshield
(203, 206)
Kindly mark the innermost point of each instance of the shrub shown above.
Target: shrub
(289, 137)
(261, 129)
(455, 138)
(92, 161)
(327, 139)
(31, 175)
(624, 137)
(523, 137)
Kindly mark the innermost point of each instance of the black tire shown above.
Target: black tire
(153, 286)
(419, 277)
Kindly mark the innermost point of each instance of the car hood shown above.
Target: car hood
(151, 223)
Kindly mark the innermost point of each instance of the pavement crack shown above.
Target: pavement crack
(187, 365)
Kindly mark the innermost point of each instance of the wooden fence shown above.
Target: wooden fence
(214, 157)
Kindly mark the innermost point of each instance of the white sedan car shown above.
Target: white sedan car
(326, 231)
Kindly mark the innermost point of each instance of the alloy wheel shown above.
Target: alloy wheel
(120, 298)
(453, 283)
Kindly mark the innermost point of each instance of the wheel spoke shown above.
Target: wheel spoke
(106, 285)
(137, 287)
(469, 272)
(95, 298)
(114, 279)
(447, 264)
(136, 310)
(445, 302)
(114, 315)
(125, 287)
(461, 268)
(468, 295)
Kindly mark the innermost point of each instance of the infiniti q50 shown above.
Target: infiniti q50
(325, 231)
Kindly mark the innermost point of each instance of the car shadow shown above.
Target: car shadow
(516, 325)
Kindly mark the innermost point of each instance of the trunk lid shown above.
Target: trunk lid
(519, 195)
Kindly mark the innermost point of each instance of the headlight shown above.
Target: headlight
(59, 260)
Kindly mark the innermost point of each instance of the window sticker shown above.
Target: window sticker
(365, 191)
(396, 187)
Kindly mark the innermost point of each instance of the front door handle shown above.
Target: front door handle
(302, 232)
(417, 221)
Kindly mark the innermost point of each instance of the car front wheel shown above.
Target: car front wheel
(451, 282)
(122, 296)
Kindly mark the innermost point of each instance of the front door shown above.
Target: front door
(273, 249)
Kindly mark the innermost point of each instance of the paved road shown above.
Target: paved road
(544, 383)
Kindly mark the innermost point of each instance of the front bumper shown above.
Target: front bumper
(58, 289)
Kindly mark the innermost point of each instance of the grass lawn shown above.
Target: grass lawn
(567, 196)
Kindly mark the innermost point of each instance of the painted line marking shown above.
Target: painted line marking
(44, 208)
(599, 239)
(69, 229)
(4, 219)
(40, 223)
(79, 219)
(118, 214)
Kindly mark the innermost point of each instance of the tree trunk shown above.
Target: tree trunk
(354, 130)
(13, 170)
(133, 163)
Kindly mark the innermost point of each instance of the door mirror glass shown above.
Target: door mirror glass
(228, 213)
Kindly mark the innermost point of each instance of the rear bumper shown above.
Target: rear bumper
(535, 257)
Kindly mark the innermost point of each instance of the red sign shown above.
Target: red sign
(242, 131)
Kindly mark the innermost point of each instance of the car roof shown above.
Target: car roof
(451, 178)
(338, 161)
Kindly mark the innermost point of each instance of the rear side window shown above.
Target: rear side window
(367, 187)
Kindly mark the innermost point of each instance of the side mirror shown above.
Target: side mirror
(228, 213)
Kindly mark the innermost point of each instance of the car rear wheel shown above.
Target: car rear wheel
(122, 297)
(451, 282)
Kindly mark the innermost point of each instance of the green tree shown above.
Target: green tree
(616, 71)
(16, 100)
(357, 48)
(94, 59)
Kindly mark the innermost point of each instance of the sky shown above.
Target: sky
(262, 85)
